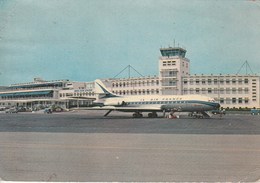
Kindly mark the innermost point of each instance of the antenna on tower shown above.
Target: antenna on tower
(247, 66)
(129, 67)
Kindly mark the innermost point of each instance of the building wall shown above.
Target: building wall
(78, 94)
(134, 86)
(77, 89)
(62, 92)
(171, 71)
(173, 65)
(175, 79)
(229, 90)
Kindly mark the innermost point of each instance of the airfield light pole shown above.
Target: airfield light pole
(219, 88)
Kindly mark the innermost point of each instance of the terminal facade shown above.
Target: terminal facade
(41, 93)
(231, 91)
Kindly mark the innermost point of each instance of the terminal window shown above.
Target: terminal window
(222, 90)
(227, 90)
(228, 100)
(191, 91)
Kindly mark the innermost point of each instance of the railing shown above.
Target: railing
(35, 88)
(169, 75)
(27, 98)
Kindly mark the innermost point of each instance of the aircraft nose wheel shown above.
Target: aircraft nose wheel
(137, 115)
(152, 115)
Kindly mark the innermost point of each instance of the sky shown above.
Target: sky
(82, 40)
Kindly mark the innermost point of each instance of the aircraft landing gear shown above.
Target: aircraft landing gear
(137, 115)
(197, 115)
(152, 115)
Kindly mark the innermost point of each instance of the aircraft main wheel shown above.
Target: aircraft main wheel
(140, 115)
(155, 115)
(150, 115)
(137, 115)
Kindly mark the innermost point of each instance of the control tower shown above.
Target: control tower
(173, 66)
(171, 52)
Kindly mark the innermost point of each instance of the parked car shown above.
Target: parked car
(11, 110)
(21, 109)
(2, 108)
(47, 111)
(255, 111)
(57, 109)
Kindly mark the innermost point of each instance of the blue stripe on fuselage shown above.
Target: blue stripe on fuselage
(212, 104)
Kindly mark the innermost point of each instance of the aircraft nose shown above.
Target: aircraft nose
(217, 105)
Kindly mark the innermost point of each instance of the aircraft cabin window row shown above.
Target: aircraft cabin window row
(157, 102)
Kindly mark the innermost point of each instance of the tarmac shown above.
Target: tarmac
(85, 146)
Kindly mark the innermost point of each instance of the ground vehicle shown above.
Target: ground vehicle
(218, 112)
(21, 109)
(47, 111)
(2, 108)
(255, 111)
(11, 110)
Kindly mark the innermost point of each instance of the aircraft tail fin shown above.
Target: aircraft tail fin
(102, 89)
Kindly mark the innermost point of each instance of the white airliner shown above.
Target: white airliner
(152, 103)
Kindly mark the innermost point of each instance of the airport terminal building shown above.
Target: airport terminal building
(231, 90)
(63, 93)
